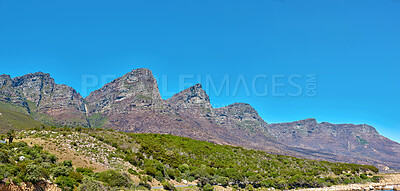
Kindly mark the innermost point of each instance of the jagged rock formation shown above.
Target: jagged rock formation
(193, 100)
(358, 141)
(43, 98)
(241, 116)
(135, 89)
(132, 103)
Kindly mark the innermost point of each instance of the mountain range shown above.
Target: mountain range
(132, 103)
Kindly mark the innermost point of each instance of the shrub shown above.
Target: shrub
(168, 186)
(159, 176)
(85, 171)
(208, 187)
(65, 183)
(61, 171)
(4, 158)
(363, 176)
(150, 171)
(183, 167)
(144, 185)
(91, 185)
(114, 178)
(223, 181)
(133, 171)
(76, 176)
(34, 173)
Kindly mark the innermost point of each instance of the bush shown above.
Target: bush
(208, 187)
(168, 186)
(144, 185)
(131, 171)
(61, 171)
(150, 171)
(363, 176)
(76, 176)
(34, 173)
(183, 167)
(171, 173)
(223, 181)
(114, 178)
(159, 176)
(4, 158)
(65, 183)
(91, 185)
(84, 171)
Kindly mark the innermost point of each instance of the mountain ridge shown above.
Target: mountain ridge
(132, 103)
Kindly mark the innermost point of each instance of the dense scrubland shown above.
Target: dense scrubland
(136, 161)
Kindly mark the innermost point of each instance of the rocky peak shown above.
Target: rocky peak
(307, 122)
(241, 118)
(137, 88)
(34, 86)
(192, 97)
(4, 79)
(361, 129)
(239, 111)
(61, 103)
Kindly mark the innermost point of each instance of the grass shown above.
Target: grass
(13, 118)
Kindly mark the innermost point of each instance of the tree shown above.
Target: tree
(10, 136)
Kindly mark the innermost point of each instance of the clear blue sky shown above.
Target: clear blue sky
(352, 46)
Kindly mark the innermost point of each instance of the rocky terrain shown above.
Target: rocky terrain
(38, 95)
(132, 103)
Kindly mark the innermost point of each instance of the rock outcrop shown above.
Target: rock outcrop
(193, 100)
(137, 88)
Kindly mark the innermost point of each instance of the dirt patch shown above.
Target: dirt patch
(65, 154)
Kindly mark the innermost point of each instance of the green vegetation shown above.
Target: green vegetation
(97, 121)
(361, 140)
(21, 163)
(14, 117)
(39, 116)
(165, 157)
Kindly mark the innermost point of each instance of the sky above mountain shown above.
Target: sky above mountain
(336, 61)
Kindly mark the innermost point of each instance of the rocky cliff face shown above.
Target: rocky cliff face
(137, 88)
(193, 100)
(132, 103)
(43, 98)
(358, 141)
(240, 116)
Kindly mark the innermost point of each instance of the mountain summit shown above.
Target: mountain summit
(38, 95)
(132, 103)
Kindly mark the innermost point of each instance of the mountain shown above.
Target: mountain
(37, 94)
(357, 141)
(132, 103)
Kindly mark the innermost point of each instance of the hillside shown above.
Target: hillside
(108, 158)
(132, 103)
(13, 117)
